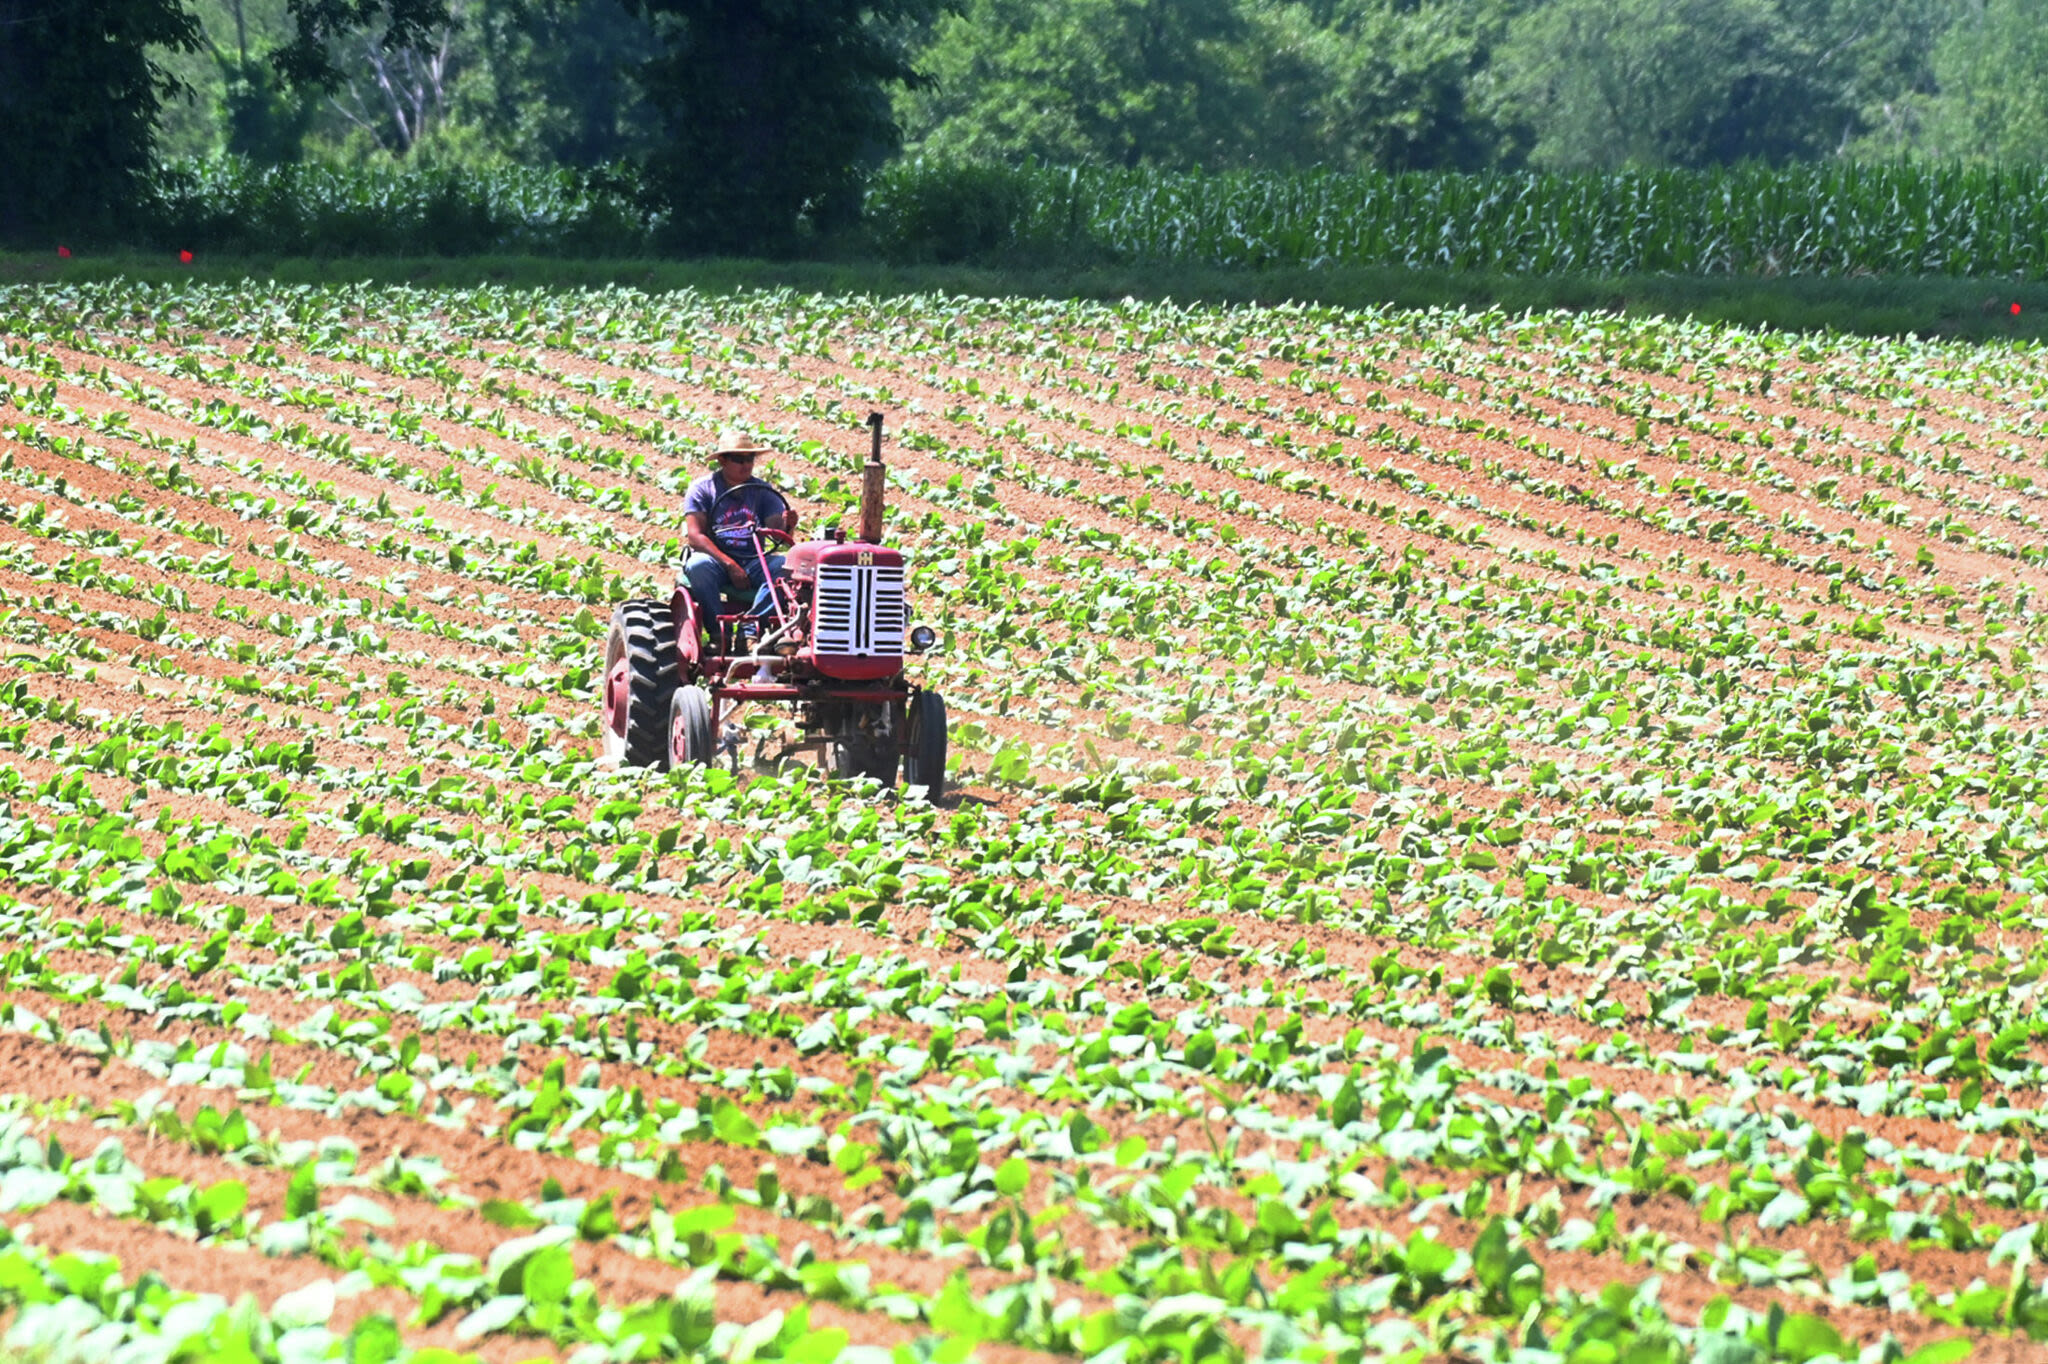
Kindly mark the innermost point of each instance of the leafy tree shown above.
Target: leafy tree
(1216, 83)
(1875, 60)
(322, 28)
(552, 81)
(1992, 69)
(78, 101)
(541, 82)
(1367, 83)
(770, 109)
(78, 104)
(1121, 82)
(387, 65)
(265, 121)
(235, 99)
(1611, 83)
(394, 97)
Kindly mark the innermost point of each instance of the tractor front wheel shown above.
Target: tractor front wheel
(639, 678)
(924, 759)
(689, 728)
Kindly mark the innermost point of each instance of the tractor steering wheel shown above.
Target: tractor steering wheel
(751, 484)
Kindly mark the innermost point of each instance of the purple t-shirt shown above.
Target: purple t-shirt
(732, 526)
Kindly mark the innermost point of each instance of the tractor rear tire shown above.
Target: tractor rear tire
(638, 680)
(690, 741)
(859, 751)
(924, 760)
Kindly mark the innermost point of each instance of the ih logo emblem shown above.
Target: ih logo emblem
(867, 556)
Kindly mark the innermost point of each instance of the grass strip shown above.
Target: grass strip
(1978, 309)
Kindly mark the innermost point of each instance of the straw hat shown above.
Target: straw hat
(739, 443)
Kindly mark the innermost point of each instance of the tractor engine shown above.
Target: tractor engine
(858, 614)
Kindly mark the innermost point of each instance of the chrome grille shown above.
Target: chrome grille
(859, 611)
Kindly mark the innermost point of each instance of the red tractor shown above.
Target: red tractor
(833, 648)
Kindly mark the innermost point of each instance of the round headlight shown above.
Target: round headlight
(923, 637)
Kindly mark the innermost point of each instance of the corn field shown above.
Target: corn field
(230, 204)
(1825, 220)
(1842, 219)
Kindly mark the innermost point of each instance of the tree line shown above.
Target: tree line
(1481, 84)
(747, 123)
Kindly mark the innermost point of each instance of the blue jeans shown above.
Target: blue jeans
(709, 584)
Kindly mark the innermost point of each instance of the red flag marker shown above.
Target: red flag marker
(64, 253)
(184, 258)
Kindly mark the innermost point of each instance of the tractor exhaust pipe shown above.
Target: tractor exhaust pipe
(872, 486)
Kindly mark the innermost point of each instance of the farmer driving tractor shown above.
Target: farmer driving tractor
(827, 635)
(721, 511)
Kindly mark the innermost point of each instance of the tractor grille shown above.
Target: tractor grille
(859, 611)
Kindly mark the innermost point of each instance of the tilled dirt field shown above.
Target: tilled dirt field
(1468, 837)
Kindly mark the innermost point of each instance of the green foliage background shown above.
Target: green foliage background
(1179, 84)
(770, 109)
(759, 126)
